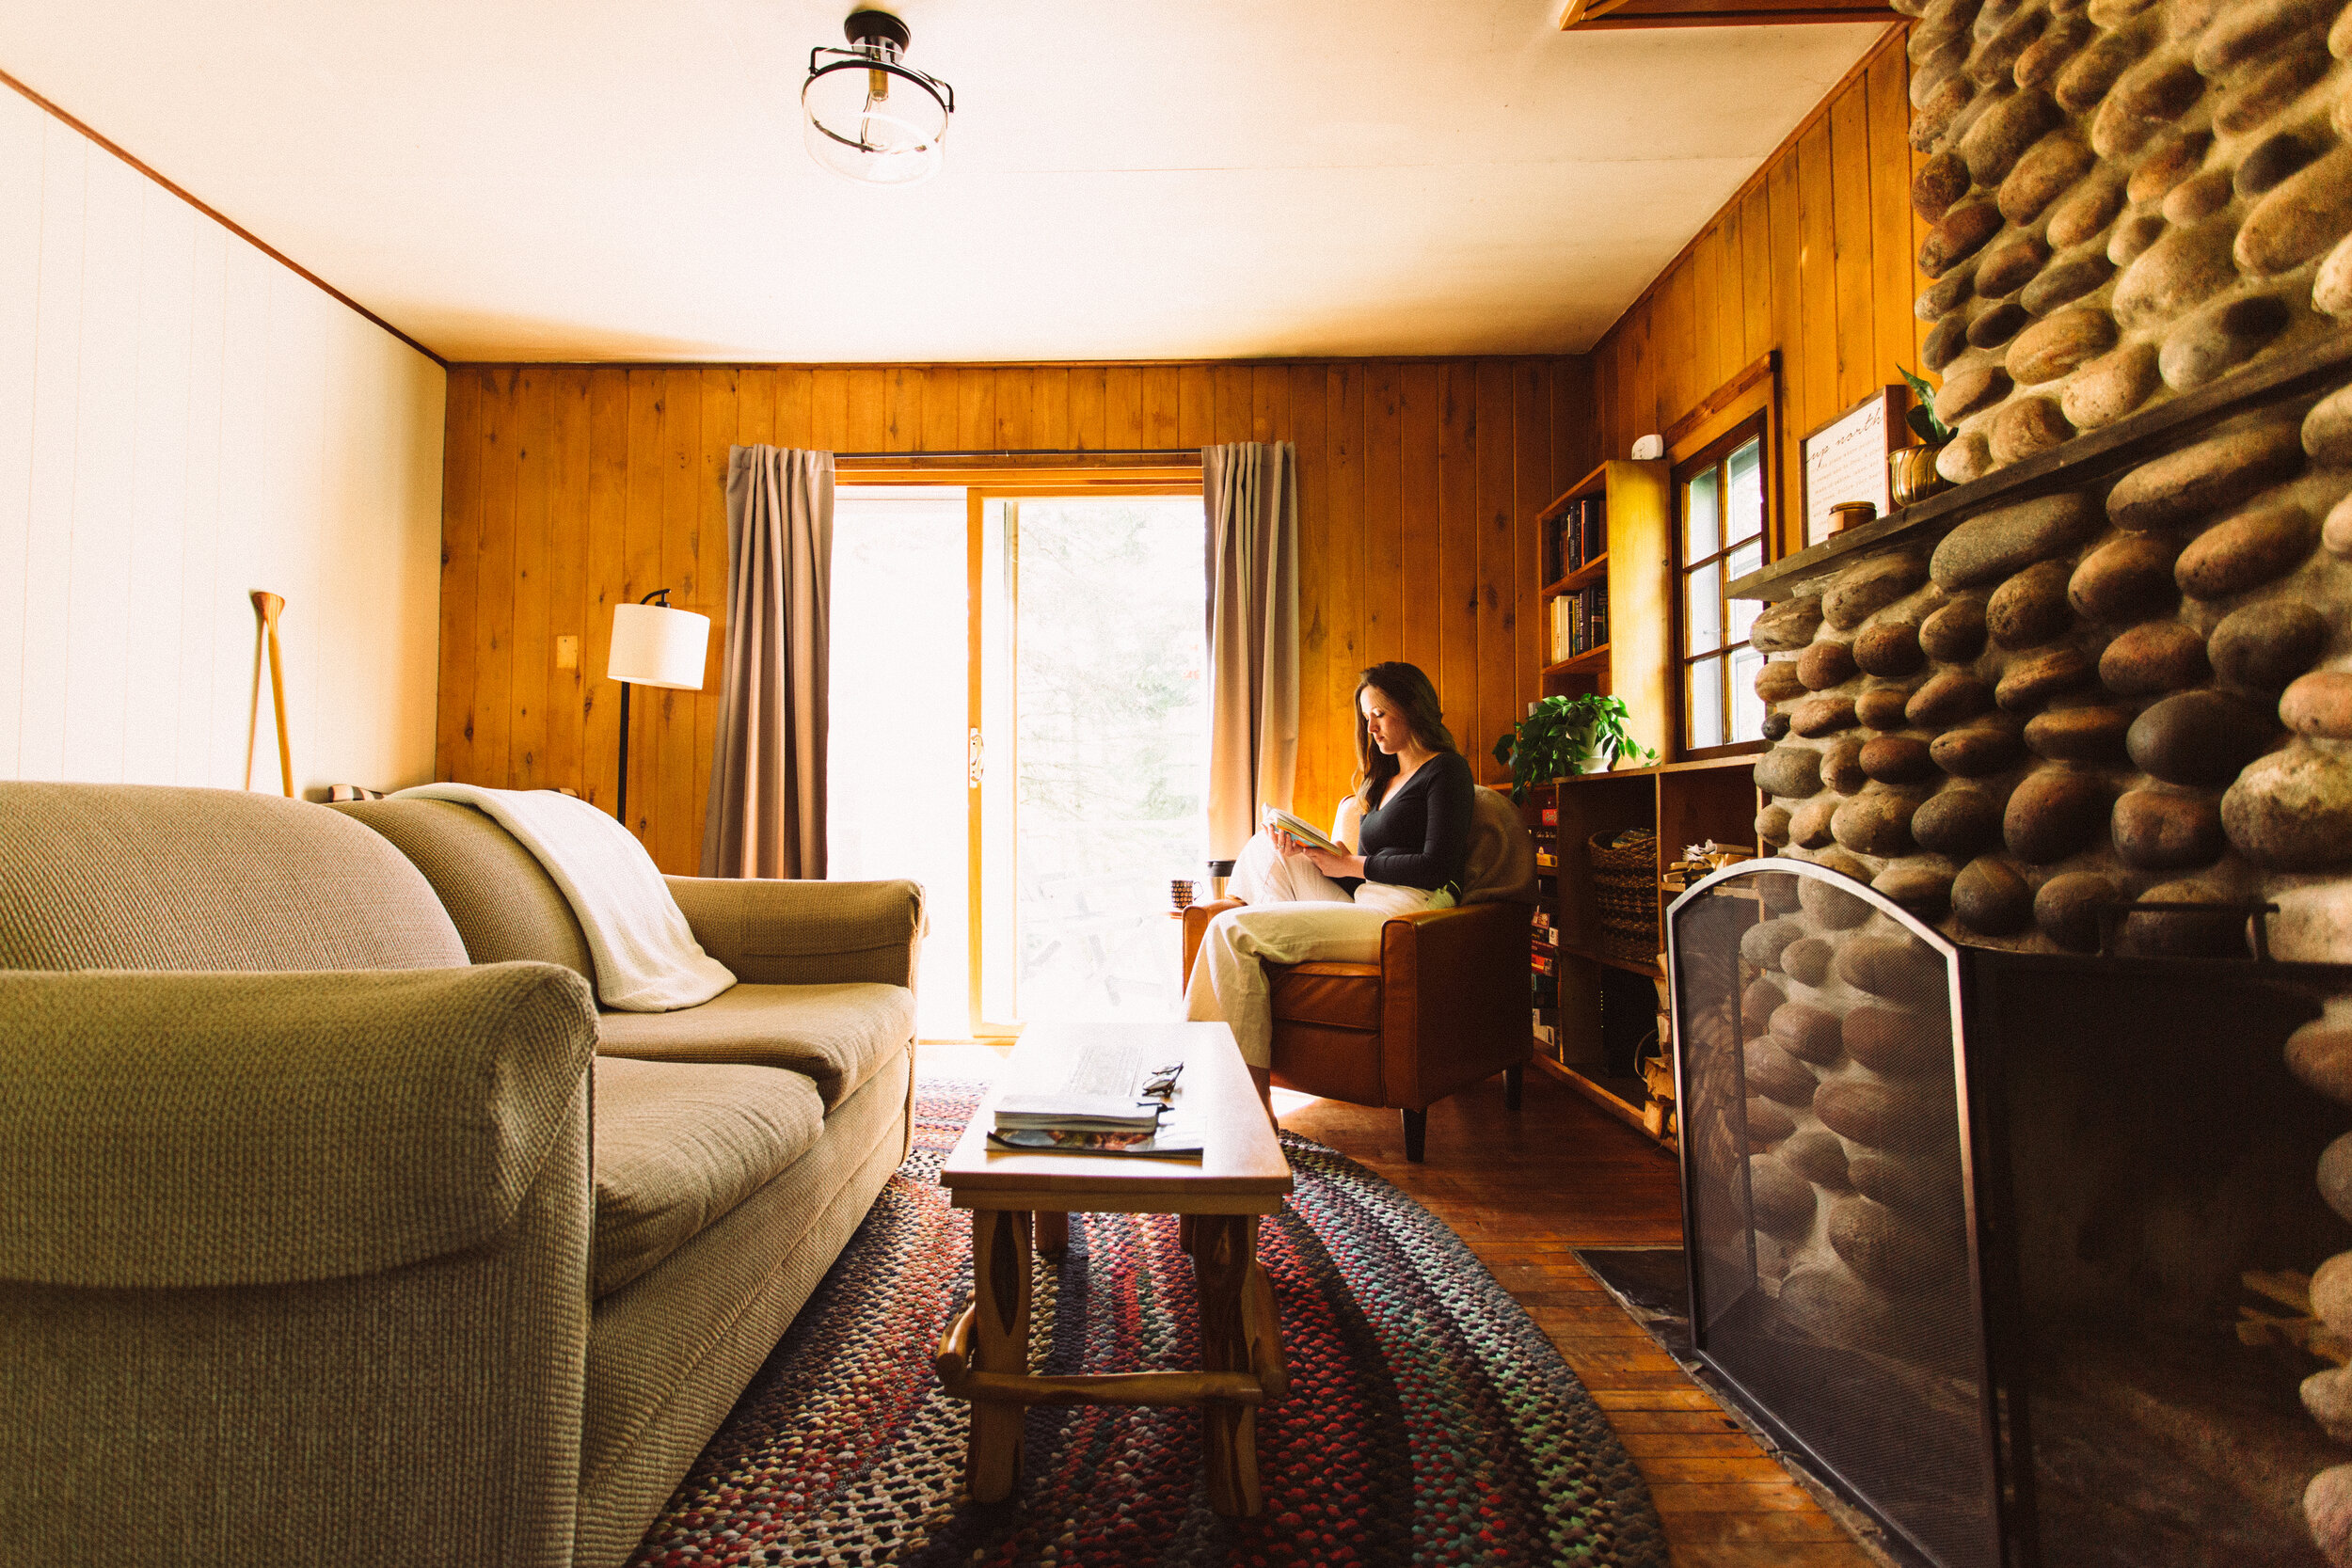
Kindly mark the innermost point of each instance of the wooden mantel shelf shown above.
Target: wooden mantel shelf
(2124, 444)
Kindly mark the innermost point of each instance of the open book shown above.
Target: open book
(1303, 831)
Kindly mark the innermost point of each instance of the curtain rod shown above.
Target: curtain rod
(1040, 452)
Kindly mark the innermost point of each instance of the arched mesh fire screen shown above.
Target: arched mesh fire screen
(1826, 1190)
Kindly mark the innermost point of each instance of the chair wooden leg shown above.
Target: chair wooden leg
(1514, 1086)
(1416, 1134)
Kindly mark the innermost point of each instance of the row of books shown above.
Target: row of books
(1579, 534)
(1579, 621)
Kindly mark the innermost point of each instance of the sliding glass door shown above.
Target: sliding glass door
(1079, 746)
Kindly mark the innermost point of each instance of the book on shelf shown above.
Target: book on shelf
(1579, 534)
(1579, 621)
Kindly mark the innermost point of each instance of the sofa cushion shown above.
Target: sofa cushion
(835, 1035)
(501, 898)
(151, 877)
(677, 1146)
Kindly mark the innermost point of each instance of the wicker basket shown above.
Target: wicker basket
(1625, 883)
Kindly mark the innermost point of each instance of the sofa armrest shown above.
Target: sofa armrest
(1453, 999)
(304, 1150)
(206, 1130)
(1196, 918)
(780, 933)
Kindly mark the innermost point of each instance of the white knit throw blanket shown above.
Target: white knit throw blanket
(647, 959)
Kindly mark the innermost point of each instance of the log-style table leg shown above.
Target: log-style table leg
(1053, 1234)
(1224, 1247)
(1000, 1343)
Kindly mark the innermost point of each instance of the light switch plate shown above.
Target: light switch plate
(567, 653)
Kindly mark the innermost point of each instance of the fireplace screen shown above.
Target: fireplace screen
(1827, 1194)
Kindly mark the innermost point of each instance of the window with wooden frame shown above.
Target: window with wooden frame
(1718, 537)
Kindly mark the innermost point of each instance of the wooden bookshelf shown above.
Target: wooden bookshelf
(1604, 1000)
(1637, 568)
(1611, 1094)
(1589, 660)
(1596, 570)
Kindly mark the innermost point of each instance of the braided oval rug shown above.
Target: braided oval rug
(1429, 1421)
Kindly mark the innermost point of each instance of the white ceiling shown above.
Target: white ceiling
(1125, 179)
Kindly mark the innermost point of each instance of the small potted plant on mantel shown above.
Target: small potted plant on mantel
(1910, 474)
(1562, 736)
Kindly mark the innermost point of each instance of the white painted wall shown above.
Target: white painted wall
(182, 419)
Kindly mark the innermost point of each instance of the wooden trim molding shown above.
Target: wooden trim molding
(218, 217)
(1725, 407)
(1596, 15)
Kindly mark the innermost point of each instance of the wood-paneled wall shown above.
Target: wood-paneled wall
(184, 420)
(569, 488)
(1815, 255)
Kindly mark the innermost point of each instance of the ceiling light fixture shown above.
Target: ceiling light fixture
(872, 118)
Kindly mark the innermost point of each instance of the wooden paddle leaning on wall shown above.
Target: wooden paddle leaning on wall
(267, 606)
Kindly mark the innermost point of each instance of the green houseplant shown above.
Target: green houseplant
(1910, 470)
(1562, 736)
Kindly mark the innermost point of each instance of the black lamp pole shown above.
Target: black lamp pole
(620, 805)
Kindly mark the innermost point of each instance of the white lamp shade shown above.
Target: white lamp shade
(656, 645)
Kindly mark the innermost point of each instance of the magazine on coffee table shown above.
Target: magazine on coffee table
(1105, 1100)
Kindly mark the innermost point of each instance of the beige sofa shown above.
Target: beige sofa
(335, 1224)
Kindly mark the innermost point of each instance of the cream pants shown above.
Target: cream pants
(1294, 914)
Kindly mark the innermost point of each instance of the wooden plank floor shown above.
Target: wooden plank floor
(1524, 1189)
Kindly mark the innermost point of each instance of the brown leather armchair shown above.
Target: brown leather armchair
(1446, 1006)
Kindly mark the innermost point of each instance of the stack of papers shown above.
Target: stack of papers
(1093, 1104)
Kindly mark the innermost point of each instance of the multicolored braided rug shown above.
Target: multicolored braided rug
(1428, 1421)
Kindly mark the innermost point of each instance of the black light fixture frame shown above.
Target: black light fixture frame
(620, 803)
(877, 40)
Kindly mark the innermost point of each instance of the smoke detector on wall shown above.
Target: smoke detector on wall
(870, 115)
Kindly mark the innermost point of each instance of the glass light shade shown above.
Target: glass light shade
(656, 645)
(871, 120)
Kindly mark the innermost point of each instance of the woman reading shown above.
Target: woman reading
(1306, 904)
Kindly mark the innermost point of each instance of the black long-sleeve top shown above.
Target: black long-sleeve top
(1418, 835)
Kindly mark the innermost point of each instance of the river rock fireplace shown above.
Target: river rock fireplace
(1970, 1227)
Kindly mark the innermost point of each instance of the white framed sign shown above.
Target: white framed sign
(1846, 460)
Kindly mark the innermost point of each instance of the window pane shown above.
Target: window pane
(1699, 503)
(1113, 752)
(1743, 502)
(1747, 557)
(1747, 708)
(1743, 616)
(1702, 608)
(1704, 715)
(895, 764)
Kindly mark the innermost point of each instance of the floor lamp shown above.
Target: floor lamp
(654, 645)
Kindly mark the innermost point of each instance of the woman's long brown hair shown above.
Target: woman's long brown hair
(1409, 691)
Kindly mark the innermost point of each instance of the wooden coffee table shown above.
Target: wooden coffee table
(1241, 1175)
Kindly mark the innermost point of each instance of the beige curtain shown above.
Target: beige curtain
(767, 807)
(1250, 489)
